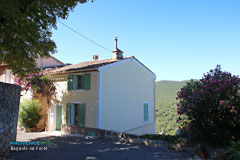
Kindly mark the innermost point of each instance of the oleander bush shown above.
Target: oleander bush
(209, 109)
(233, 151)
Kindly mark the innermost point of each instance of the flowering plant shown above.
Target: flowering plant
(210, 108)
(38, 83)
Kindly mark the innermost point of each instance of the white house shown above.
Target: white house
(114, 94)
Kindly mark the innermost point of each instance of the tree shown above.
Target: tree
(25, 31)
(209, 109)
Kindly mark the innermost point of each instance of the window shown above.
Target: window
(4, 76)
(145, 112)
(79, 82)
(76, 120)
(75, 114)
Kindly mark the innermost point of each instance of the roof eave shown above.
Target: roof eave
(75, 71)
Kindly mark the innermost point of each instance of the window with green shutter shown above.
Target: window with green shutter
(76, 112)
(68, 114)
(145, 111)
(70, 82)
(79, 82)
(87, 81)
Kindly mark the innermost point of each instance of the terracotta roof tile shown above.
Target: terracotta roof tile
(95, 64)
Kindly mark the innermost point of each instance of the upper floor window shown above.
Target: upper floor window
(79, 82)
(7, 76)
(4, 76)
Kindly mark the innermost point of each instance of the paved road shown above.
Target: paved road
(84, 148)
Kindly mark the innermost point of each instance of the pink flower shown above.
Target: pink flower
(222, 102)
(30, 76)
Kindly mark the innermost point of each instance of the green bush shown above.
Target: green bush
(29, 114)
(234, 150)
(209, 109)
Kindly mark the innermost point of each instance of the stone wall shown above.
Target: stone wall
(9, 107)
(110, 135)
(101, 133)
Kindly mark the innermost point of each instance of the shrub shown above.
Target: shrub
(209, 109)
(234, 151)
(29, 114)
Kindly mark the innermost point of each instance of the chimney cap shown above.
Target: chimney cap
(95, 57)
(117, 53)
(116, 48)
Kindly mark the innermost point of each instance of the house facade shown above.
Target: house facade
(6, 75)
(111, 94)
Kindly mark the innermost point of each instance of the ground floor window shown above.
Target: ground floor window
(145, 112)
(75, 114)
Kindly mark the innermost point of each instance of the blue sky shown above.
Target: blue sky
(176, 39)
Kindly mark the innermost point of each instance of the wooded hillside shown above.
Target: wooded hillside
(166, 115)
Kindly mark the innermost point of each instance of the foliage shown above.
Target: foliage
(25, 31)
(234, 150)
(203, 148)
(29, 114)
(38, 82)
(166, 114)
(209, 108)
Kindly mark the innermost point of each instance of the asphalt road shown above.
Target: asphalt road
(84, 148)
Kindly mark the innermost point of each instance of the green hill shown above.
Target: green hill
(166, 115)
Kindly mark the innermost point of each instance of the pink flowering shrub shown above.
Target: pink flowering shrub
(209, 109)
(37, 83)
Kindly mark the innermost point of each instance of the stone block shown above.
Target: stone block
(9, 106)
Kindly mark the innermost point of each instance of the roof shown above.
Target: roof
(3, 64)
(90, 66)
(48, 62)
(44, 62)
(86, 66)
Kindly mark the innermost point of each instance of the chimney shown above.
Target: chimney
(117, 53)
(95, 57)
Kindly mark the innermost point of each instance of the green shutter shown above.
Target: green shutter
(70, 82)
(87, 81)
(81, 114)
(68, 114)
(145, 112)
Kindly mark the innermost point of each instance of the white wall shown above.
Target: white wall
(147, 129)
(125, 87)
(8, 77)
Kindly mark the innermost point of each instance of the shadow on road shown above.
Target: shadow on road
(84, 148)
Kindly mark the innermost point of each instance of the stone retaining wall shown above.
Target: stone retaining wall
(106, 134)
(101, 133)
(9, 107)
